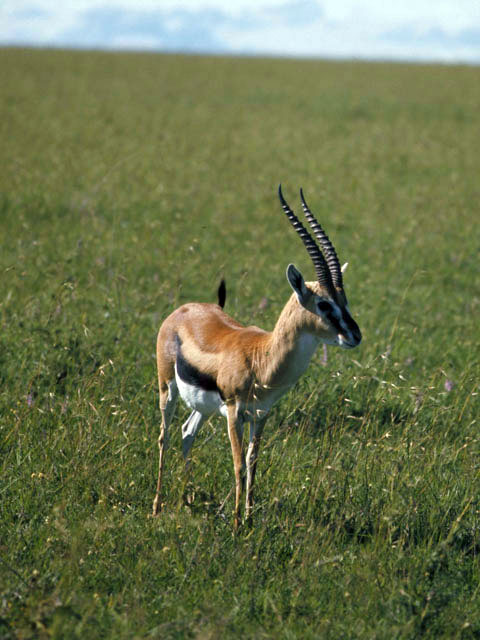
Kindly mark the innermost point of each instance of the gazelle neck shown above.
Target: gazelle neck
(290, 348)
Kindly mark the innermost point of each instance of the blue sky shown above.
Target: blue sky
(418, 30)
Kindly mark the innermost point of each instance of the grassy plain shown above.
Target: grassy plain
(131, 183)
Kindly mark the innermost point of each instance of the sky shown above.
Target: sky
(446, 31)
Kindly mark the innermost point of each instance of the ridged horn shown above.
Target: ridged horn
(321, 267)
(327, 247)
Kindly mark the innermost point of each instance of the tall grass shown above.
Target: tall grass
(130, 184)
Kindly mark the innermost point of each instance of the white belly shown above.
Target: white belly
(205, 402)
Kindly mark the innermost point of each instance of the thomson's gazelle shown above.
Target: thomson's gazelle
(218, 365)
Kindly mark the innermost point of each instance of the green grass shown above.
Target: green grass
(132, 183)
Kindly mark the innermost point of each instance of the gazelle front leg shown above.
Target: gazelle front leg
(235, 433)
(256, 430)
(168, 398)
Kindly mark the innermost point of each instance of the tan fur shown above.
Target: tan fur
(234, 355)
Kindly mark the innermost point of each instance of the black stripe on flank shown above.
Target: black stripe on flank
(191, 375)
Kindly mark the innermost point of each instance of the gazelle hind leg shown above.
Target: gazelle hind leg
(189, 431)
(168, 399)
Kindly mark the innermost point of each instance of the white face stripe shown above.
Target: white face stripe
(340, 317)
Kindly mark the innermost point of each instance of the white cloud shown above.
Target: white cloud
(445, 30)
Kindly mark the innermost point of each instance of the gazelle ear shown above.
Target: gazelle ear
(296, 281)
(344, 267)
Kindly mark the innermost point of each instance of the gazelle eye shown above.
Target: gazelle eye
(324, 306)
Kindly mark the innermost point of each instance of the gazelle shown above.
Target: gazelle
(218, 365)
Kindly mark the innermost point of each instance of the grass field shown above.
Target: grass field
(132, 183)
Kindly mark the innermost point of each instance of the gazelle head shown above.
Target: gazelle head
(324, 301)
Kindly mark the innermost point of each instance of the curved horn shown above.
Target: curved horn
(327, 247)
(321, 267)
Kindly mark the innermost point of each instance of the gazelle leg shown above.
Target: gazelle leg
(256, 430)
(168, 398)
(189, 431)
(235, 433)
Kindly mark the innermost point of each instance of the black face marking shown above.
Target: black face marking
(334, 322)
(191, 375)
(324, 306)
(354, 330)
